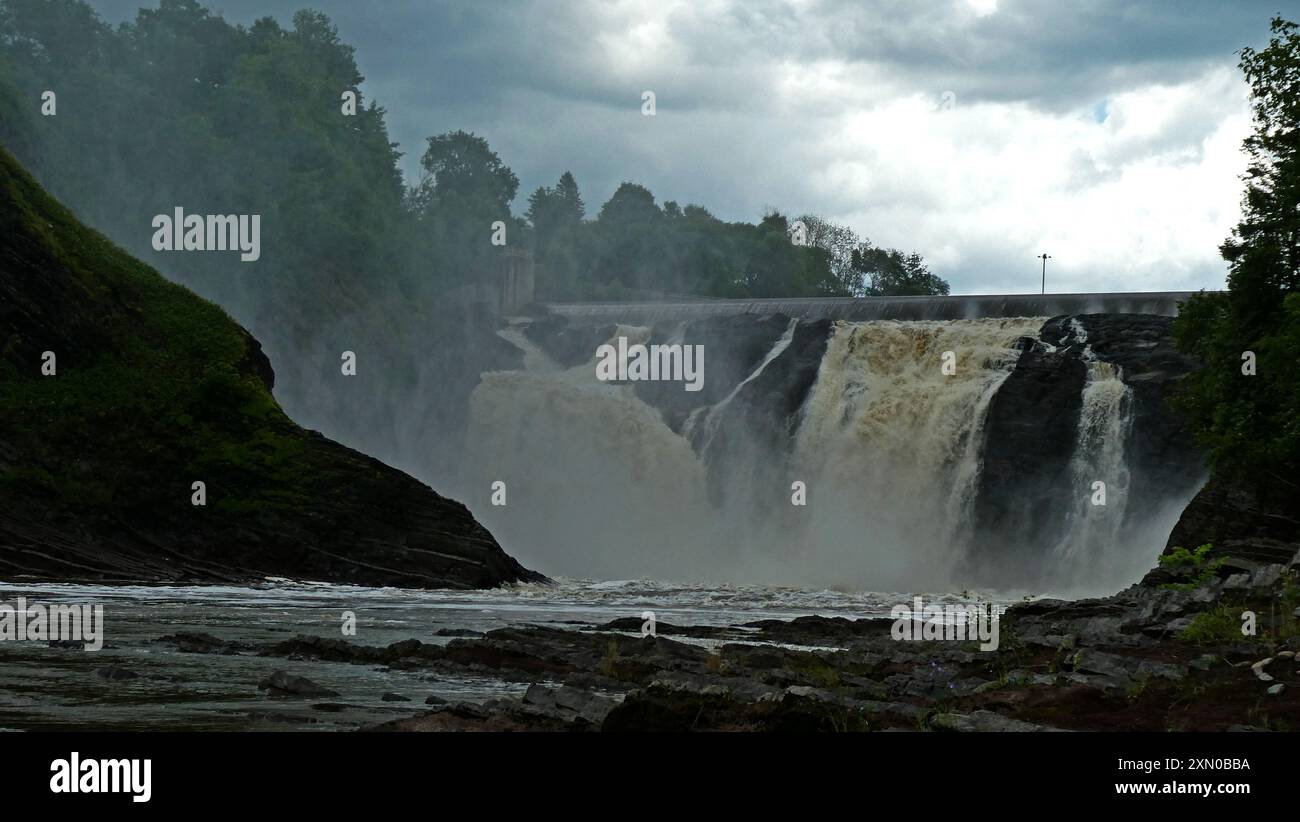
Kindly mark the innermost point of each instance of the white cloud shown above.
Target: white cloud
(1139, 201)
(1106, 133)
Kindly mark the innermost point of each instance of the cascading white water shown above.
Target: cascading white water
(888, 446)
(1092, 547)
(596, 484)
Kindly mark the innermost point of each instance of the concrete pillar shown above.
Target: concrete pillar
(517, 281)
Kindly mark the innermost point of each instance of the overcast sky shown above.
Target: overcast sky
(977, 132)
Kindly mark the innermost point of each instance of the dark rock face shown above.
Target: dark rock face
(280, 683)
(754, 432)
(1033, 425)
(1249, 524)
(156, 389)
(733, 348)
(567, 344)
(1029, 440)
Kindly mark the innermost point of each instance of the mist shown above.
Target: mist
(402, 274)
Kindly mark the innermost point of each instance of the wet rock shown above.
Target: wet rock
(901, 711)
(1266, 577)
(1030, 432)
(634, 625)
(568, 344)
(968, 685)
(1099, 662)
(1276, 690)
(982, 721)
(1171, 628)
(392, 697)
(282, 683)
(339, 516)
(197, 642)
(1099, 682)
(567, 704)
(1121, 667)
(407, 653)
(116, 674)
(1237, 582)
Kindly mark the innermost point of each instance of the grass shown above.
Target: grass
(1219, 625)
(155, 387)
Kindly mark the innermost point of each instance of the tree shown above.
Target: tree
(462, 170)
(1250, 424)
(556, 216)
(891, 273)
(839, 242)
(466, 189)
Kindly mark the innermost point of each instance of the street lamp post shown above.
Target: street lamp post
(1044, 257)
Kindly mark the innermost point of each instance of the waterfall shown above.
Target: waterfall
(596, 483)
(713, 414)
(1093, 546)
(887, 443)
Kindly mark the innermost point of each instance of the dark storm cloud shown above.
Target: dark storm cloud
(437, 65)
(1053, 54)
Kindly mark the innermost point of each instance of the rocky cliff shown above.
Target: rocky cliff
(120, 393)
(1034, 424)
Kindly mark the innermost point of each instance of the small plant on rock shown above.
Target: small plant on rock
(1196, 566)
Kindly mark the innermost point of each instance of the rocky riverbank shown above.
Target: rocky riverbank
(1159, 656)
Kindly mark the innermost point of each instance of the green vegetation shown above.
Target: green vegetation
(170, 380)
(1217, 626)
(1250, 425)
(248, 120)
(1196, 567)
(1275, 621)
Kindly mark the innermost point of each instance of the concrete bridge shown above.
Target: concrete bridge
(961, 307)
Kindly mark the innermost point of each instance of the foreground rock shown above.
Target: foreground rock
(152, 390)
(1150, 658)
(1155, 657)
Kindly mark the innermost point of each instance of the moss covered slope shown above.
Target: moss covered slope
(156, 389)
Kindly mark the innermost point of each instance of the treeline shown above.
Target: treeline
(1245, 401)
(635, 245)
(178, 107)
